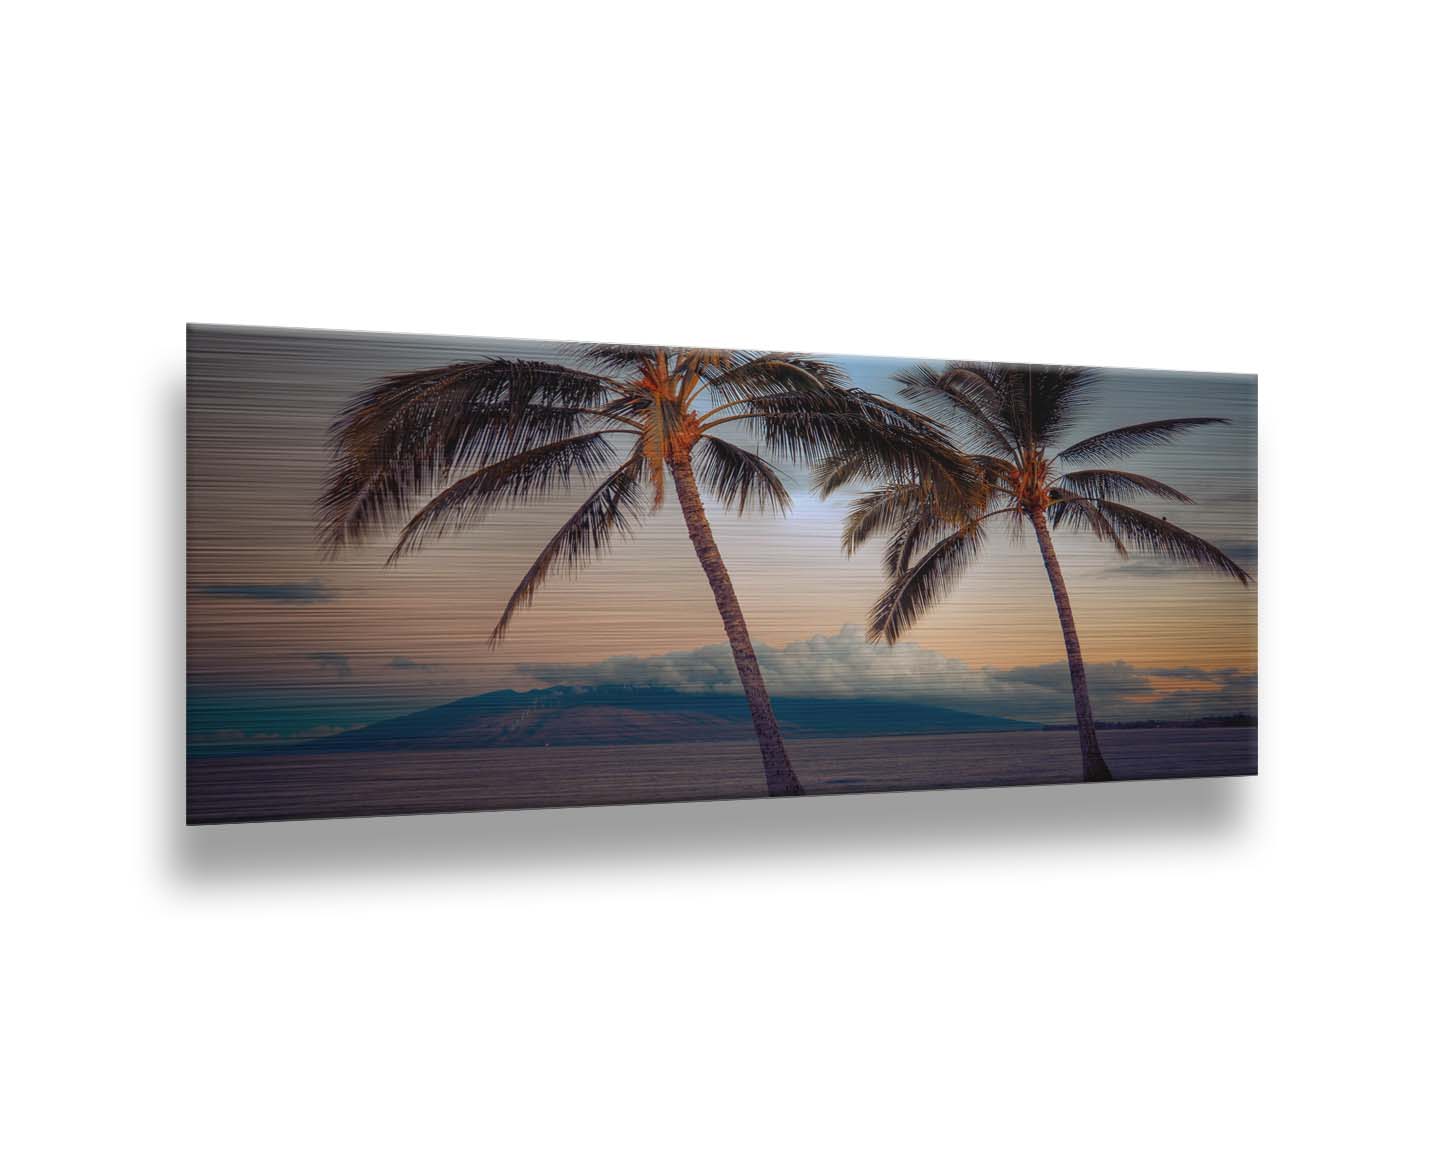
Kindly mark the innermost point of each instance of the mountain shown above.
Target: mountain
(617, 714)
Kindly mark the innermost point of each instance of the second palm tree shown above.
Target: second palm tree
(1006, 420)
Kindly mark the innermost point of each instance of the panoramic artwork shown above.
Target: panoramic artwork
(435, 574)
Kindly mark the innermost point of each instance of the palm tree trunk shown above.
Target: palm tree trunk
(1094, 763)
(779, 776)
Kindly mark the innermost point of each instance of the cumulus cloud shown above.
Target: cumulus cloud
(845, 665)
(1117, 678)
(336, 662)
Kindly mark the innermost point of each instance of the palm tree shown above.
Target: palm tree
(1008, 418)
(497, 432)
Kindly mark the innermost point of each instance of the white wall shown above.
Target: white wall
(1192, 965)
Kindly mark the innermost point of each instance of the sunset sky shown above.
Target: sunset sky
(284, 643)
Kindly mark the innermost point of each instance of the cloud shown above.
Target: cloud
(306, 592)
(405, 664)
(1116, 678)
(336, 662)
(846, 665)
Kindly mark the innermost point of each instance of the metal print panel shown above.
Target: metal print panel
(431, 574)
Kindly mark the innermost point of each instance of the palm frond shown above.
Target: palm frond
(630, 404)
(1121, 441)
(835, 471)
(1104, 484)
(433, 393)
(911, 592)
(739, 479)
(613, 509)
(415, 429)
(1043, 399)
(920, 530)
(363, 492)
(994, 469)
(959, 388)
(879, 511)
(1015, 530)
(750, 375)
(523, 476)
(1007, 408)
(913, 473)
(914, 514)
(1070, 509)
(1156, 536)
(811, 424)
(616, 358)
(694, 366)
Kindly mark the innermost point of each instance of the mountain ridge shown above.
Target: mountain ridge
(570, 716)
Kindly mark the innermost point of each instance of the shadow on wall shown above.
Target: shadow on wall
(747, 833)
(965, 823)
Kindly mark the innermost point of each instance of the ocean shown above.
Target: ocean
(313, 785)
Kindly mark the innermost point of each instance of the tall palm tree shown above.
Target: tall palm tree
(497, 432)
(1008, 418)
